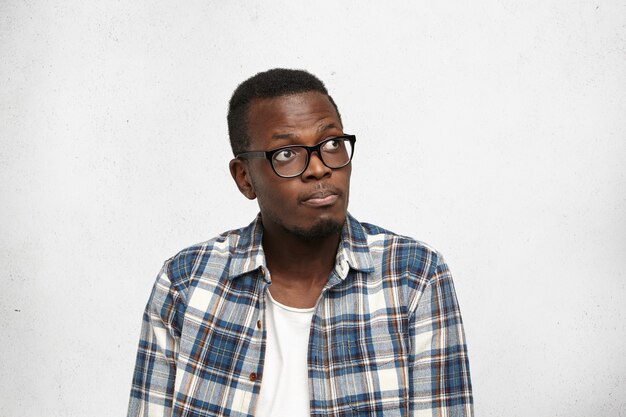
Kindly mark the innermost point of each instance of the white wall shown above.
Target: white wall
(493, 130)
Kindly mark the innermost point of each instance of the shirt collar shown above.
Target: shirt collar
(353, 246)
(353, 250)
(248, 254)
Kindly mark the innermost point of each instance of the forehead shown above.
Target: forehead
(295, 116)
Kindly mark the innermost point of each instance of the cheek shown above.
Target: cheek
(345, 177)
(260, 180)
(273, 196)
(346, 180)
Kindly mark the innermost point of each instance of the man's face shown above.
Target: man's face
(313, 204)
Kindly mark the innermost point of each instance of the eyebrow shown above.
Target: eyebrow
(322, 128)
(327, 127)
(283, 136)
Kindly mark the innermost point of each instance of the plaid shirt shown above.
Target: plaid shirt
(386, 337)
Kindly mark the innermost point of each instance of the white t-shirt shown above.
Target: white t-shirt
(285, 380)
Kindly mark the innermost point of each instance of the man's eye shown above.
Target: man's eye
(332, 145)
(285, 155)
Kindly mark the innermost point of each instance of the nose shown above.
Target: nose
(316, 169)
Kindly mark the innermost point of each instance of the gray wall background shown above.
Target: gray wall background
(493, 130)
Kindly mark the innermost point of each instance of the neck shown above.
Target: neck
(304, 260)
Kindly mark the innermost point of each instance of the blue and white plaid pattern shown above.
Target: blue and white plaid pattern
(386, 338)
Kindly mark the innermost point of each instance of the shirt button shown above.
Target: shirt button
(253, 376)
(258, 324)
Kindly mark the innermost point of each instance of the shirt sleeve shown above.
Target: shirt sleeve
(155, 368)
(440, 367)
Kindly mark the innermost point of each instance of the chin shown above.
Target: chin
(319, 230)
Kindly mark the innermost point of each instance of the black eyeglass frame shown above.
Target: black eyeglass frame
(309, 150)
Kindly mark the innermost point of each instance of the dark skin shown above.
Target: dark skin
(302, 216)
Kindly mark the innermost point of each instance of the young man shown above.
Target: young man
(306, 311)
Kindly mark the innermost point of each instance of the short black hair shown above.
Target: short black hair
(275, 82)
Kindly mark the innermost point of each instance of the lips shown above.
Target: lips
(320, 198)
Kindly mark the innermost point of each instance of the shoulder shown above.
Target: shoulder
(210, 257)
(401, 253)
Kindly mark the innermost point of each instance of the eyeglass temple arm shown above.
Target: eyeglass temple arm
(252, 154)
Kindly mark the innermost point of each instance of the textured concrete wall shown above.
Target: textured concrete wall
(493, 130)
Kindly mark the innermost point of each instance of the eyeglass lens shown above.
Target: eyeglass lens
(292, 161)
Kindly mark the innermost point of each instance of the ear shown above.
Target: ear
(239, 172)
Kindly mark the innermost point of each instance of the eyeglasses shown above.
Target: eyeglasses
(291, 161)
